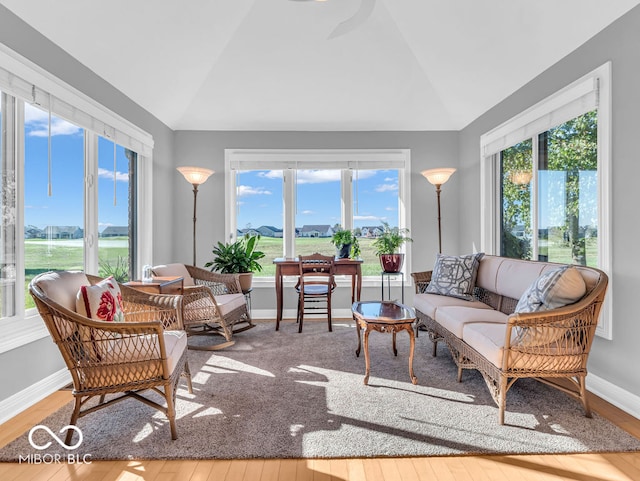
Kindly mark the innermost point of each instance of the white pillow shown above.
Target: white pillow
(102, 301)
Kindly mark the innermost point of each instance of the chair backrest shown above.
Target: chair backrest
(174, 270)
(316, 269)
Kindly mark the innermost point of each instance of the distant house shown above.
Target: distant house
(33, 232)
(63, 232)
(316, 231)
(269, 231)
(115, 231)
(371, 231)
(249, 231)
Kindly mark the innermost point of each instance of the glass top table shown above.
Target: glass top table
(384, 316)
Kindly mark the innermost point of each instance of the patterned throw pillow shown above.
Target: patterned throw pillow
(102, 301)
(554, 288)
(455, 276)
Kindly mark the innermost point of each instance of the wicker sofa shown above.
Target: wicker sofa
(484, 333)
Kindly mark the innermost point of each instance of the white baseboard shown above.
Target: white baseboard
(14, 405)
(628, 402)
(291, 314)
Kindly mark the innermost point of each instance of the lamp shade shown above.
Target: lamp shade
(438, 176)
(195, 175)
(521, 177)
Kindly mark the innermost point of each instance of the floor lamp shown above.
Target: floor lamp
(195, 176)
(438, 177)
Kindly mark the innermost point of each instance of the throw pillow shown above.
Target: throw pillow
(455, 276)
(102, 301)
(555, 288)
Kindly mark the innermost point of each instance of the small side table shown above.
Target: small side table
(159, 285)
(388, 275)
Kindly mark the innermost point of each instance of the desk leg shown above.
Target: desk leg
(359, 342)
(278, 296)
(358, 282)
(412, 339)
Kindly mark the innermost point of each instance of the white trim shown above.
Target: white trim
(530, 122)
(621, 398)
(15, 404)
(22, 69)
(18, 331)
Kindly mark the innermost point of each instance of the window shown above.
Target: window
(546, 182)
(53, 162)
(296, 199)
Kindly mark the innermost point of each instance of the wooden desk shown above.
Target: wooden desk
(289, 267)
(159, 285)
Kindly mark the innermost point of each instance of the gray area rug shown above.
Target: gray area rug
(284, 394)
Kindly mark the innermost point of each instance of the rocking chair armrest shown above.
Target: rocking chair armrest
(214, 279)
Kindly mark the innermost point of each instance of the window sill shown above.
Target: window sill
(18, 332)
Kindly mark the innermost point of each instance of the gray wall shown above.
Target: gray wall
(26, 365)
(206, 149)
(616, 360)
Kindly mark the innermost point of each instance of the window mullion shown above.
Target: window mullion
(533, 189)
(289, 212)
(347, 198)
(91, 264)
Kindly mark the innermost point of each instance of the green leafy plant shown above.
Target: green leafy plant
(237, 257)
(119, 271)
(391, 239)
(344, 237)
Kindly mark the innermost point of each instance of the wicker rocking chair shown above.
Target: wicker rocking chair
(147, 351)
(213, 303)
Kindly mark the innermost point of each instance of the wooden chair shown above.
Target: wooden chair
(148, 350)
(315, 285)
(213, 303)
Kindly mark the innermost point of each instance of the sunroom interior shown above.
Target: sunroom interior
(255, 101)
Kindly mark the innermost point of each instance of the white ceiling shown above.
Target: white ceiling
(294, 65)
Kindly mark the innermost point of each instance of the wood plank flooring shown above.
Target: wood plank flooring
(552, 467)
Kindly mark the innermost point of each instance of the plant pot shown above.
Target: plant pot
(246, 279)
(391, 262)
(344, 251)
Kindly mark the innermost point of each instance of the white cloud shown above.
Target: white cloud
(37, 123)
(367, 217)
(386, 187)
(308, 212)
(244, 190)
(108, 174)
(271, 174)
(392, 209)
(317, 176)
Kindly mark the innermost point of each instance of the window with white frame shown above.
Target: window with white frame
(546, 180)
(296, 199)
(71, 184)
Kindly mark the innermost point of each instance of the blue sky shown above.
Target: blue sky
(318, 197)
(65, 206)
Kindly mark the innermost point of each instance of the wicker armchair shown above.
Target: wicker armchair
(212, 303)
(146, 351)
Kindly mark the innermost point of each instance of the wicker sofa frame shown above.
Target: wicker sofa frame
(561, 364)
(141, 362)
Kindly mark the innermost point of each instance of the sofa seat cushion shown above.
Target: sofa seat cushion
(488, 339)
(429, 303)
(454, 318)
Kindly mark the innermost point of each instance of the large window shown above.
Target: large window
(297, 199)
(73, 173)
(546, 180)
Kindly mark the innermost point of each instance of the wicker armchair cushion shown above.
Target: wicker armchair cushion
(174, 270)
(455, 276)
(430, 303)
(555, 288)
(454, 318)
(102, 301)
(124, 359)
(62, 287)
(230, 302)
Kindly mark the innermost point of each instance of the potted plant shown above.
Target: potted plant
(239, 257)
(347, 244)
(387, 246)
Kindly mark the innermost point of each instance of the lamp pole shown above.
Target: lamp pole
(438, 190)
(437, 177)
(195, 176)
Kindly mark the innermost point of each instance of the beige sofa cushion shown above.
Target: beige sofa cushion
(488, 339)
(174, 270)
(453, 318)
(429, 303)
(230, 302)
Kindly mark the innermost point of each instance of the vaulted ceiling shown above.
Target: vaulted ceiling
(318, 65)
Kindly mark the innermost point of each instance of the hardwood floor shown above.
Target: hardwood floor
(583, 467)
